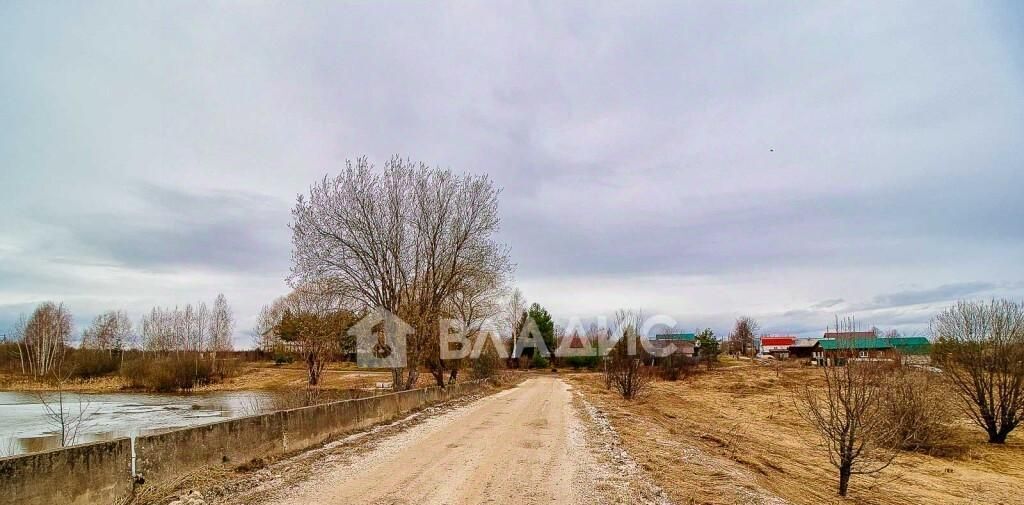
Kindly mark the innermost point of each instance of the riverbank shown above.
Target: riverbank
(254, 376)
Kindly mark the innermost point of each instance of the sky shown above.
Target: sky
(792, 161)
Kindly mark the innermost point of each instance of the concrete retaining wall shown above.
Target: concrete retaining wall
(89, 473)
(101, 472)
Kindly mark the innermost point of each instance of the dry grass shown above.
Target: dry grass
(106, 384)
(256, 376)
(734, 435)
(293, 376)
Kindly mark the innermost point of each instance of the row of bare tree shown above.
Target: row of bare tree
(43, 337)
(181, 329)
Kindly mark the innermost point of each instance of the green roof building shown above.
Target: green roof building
(858, 344)
(687, 337)
(911, 346)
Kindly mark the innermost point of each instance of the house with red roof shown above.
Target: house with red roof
(777, 345)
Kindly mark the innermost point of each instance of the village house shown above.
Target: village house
(912, 350)
(804, 348)
(777, 346)
(837, 351)
(685, 343)
(909, 350)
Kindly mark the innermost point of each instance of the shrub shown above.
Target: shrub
(676, 366)
(226, 369)
(538, 360)
(168, 374)
(916, 409)
(9, 357)
(709, 348)
(578, 362)
(486, 365)
(625, 371)
(134, 371)
(89, 363)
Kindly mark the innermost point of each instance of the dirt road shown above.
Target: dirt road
(523, 445)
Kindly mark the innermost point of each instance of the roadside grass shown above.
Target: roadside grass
(734, 435)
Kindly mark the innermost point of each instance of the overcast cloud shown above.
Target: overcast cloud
(792, 161)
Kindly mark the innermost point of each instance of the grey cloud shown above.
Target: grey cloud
(229, 231)
(908, 309)
(906, 224)
(824, 304)
(652, 139)
(10, 313)
(942, 293)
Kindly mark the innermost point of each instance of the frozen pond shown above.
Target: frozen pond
(25, 426)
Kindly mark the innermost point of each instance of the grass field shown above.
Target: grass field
(255, 376)
(734, 435)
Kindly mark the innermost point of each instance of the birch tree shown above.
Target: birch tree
(514, 316)
(43, 338)
(222, 327)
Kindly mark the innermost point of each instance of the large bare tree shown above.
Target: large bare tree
(980, 346)
(741, 339)
(405, 239)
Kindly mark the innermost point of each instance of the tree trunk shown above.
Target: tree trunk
(413, 376)
(453, 376)
(997, 436)
(396, 379)
(314, 374)
(438, 374)
(844, 478)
